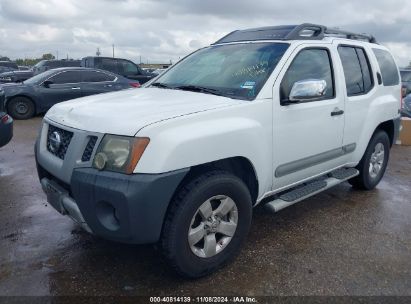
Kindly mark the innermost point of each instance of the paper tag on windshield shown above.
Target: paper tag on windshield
(248, 85)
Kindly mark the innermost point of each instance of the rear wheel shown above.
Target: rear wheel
(21, 108)
(374, 162)
(207, 223)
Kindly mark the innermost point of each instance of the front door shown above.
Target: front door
(308, 135)
(61, 87)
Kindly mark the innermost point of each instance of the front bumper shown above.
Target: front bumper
(114, 206)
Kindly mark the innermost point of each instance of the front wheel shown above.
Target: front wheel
(374, 162)
(21, 108)
(207, 223)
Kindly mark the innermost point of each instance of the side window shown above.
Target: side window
(128, 68)
(389, 71)
(66, 77)
(91, 76)
(107, 64)
(366, 70)
(309, 64)
(358, 76)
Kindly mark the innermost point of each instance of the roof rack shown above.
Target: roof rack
(305, 31)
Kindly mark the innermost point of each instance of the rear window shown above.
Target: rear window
(389, 70)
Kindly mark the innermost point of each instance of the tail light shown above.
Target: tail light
(5, 118)
(135, 84)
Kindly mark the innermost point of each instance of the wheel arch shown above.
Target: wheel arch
(388, 127)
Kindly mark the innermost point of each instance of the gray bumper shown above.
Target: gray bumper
(114, 206)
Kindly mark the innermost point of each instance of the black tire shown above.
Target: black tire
(184, 206)
(21, 108)
(364, 180)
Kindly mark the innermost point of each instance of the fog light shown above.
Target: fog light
(108, 216)
(100, 160)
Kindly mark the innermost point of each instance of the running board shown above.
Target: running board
(301, 192)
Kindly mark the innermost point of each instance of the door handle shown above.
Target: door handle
(75, 88)
(337, 112)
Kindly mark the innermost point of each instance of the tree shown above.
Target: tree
(48, 56)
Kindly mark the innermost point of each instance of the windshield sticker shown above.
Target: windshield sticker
(248, 85)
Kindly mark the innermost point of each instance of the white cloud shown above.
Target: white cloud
(163, 30)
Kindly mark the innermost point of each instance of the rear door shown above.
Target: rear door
(307, 135)
(96, 82)
(65, 86)
(360, 91)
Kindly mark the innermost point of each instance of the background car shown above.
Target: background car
(24, 68)
(11, 66)
(406, 79)
(406, 106)
(15, 76)
(6, 128)
(39, 93)
(118, 66)
(46, 65)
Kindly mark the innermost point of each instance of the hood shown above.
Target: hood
(126, 112)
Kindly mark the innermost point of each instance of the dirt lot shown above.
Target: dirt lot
(340, 242)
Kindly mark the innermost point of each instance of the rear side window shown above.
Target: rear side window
(309, 64)
(389, 70)
(357, 72)
(91, 76)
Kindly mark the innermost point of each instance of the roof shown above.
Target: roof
(305, 31)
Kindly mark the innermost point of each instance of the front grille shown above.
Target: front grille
(60, 148)
(88, 151)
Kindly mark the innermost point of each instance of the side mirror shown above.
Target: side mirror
(306, 90)
(47, 83)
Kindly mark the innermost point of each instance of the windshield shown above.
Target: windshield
(39, 77)
(237, 70)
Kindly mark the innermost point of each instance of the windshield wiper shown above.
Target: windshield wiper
(195, 88)
(161, 85)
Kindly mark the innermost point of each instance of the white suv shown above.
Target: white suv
(269, 115)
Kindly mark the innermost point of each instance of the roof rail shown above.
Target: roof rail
(305, 31)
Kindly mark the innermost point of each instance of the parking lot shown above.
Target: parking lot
(340, 242)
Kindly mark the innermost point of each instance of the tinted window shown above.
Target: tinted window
(91, 76)
(389, 71)
(352, 70)
(358, 76)
(308, 64)
(406, 76)
(366, 70)
(107, 64)
(128, 68)
(66, 77)
(53, 64)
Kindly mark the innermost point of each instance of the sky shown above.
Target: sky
(159, 31)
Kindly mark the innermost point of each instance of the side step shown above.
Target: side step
(301, 192)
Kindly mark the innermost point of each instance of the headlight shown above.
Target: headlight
(119, 153)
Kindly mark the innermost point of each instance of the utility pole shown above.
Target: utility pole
(98, 53)
(113, 50)
(57, 53)
(140, 59)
